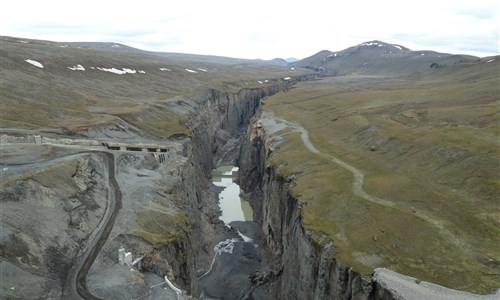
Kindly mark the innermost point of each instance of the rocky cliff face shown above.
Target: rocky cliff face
(219, 121)
(304, 269)
(306, 263)
(174, 208)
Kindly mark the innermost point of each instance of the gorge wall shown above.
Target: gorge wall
(302, 270)
(219, 121)
(305, 268)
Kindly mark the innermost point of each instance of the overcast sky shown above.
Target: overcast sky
(260, 28)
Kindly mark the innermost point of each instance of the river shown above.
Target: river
(233, 208)
(237, 252)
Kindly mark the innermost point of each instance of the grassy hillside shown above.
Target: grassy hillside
(73, 92)
(427, 144)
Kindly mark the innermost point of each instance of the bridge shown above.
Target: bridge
(159, 151)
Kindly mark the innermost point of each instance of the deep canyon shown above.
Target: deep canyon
(108, 191)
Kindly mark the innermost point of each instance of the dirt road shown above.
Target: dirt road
(76, 287)
(357, 186)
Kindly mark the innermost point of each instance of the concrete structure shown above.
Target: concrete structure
(128, 259)
(160, 151)
(160, 157)
(124, 258)
(121, 255)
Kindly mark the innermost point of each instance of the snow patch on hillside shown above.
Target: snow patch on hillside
(34, 62)
(77, 68)
(118, 71)
(126, 70)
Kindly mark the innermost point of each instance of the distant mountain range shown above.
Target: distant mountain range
(376, 57)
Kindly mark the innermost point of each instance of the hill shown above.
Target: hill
(71, 87)
(379, 58)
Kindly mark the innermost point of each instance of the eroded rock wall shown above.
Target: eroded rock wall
(306, 264)
(219, 121)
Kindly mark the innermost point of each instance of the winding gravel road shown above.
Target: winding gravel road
(357, 186)
(359, 177)
(400, 285)
(77, 287)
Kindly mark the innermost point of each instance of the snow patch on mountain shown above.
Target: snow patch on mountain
(372, 44)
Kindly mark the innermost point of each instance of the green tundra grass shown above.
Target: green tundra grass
(428, 144)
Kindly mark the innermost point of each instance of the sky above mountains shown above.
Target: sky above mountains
(260, 28)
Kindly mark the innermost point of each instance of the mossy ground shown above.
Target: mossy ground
(428, 144)
(160, 228)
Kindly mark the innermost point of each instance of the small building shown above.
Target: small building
(124, 258)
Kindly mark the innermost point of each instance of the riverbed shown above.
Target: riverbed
(237, 253)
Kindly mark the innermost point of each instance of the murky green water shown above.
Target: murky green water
(232, 206)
